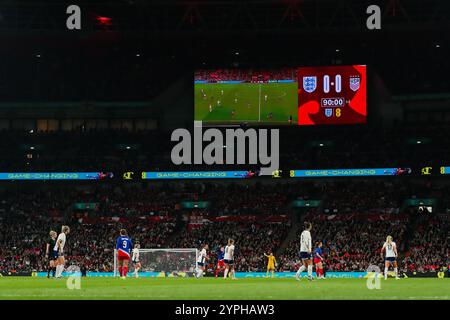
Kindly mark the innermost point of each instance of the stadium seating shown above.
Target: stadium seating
(353, 222)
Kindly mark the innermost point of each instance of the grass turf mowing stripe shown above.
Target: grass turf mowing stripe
(222, 289)
(248, 100)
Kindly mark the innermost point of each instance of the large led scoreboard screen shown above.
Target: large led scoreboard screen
(332, 95)
(295, 96)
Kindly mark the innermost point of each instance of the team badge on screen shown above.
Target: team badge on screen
(354, 83)
(329, 112)
(309, 84)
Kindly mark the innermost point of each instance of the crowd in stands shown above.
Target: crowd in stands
(385, 196)
(349, 245)
(248, 75)
(429, 247)
(23, 241)
(353, 221)
(252, 240)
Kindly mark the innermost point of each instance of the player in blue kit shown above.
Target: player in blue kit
(123, 248)
(318, 260)
(220, 261)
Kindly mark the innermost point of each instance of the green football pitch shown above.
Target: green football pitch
(246, 102)
(223, 289)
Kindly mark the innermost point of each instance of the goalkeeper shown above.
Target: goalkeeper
(271, 264)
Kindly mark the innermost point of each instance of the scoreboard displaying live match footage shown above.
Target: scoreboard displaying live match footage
(304, 96)
(332, 95)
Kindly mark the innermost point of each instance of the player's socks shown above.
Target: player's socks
(385, 273)
(120, 271)
(59, 270)
(396, 272)
(321, 273)
(317, 272)
(299, 271)
(225, 273)
(48, 271)
(125, 270)
(310, 271)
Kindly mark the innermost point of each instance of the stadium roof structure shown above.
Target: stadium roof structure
(219, 16)
(161, 41)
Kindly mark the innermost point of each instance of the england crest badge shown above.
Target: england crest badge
(328, 112)
(309, 83)
(354, 83)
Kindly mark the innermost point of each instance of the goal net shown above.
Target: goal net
(169, 261)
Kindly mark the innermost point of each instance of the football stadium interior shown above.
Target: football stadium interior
(87, 120)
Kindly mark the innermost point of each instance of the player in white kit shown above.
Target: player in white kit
(229, 259)
(59, 249)
(201, 261)
(390, 259)
(135, 259)
(305, 252)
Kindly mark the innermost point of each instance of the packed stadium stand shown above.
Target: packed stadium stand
(251, 75)
(352, 240)
(258, 216)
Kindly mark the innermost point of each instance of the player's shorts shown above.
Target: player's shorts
(305, 255)
(317, 260)
(200, 264)
(390, 259)
(229, 262)
(53, 255)
(220, 263)
(122, 256)
(135, 261)
(270, 266)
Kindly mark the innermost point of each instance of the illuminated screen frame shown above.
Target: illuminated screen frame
(300, 97)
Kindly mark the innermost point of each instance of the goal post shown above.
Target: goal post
(167, 260)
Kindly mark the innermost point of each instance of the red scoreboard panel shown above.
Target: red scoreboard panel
(332, 95)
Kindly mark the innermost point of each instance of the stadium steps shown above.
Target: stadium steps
(410, 230)
(290, 236)
(180, 225)
(68, 213)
